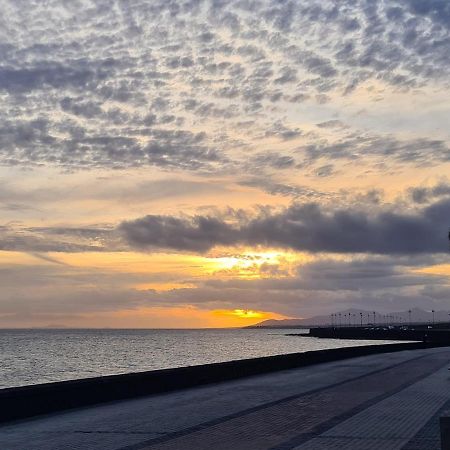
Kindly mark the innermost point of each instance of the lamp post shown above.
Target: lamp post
(409, 313)
(433, 316)
(360, 314)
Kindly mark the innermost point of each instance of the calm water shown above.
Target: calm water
(42, 356)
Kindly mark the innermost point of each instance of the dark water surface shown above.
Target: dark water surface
(41, 356)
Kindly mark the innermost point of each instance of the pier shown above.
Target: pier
(437, 333)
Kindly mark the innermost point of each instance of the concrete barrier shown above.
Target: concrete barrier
(444, 424)
(27, 401)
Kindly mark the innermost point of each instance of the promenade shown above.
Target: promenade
(385, 401)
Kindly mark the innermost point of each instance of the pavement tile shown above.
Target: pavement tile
(286, 424)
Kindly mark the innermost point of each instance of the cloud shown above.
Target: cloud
(33, 142)
(307, 227)
(286, 190)
(199, 234)
(421, 152)
(114, 188)
(78, 74)
(166, 84)
(368, 273)
(38, 240)
(334, 123)
(322, 285)
(273, 160)
(282, 131)
(426, 194)
(437, 10)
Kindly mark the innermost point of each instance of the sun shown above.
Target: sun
(241, 316)
(248, 314)
(250, 263)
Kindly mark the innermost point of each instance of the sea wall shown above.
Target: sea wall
(27, 401)
(416, 333)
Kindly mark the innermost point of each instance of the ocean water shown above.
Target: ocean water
(42, 356)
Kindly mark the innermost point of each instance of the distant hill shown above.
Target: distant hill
(353, 317)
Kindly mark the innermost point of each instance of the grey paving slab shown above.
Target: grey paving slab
(332, 443)
(428, 437)
(284, 424)
(391, 423)
(134, 423)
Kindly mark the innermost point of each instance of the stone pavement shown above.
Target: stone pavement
(385, 401)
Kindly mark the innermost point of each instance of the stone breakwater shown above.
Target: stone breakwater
(423, 333)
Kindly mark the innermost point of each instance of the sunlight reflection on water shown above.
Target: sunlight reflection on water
(40, 356)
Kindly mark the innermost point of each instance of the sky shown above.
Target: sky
(212, 163)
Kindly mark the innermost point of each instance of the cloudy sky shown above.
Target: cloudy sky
(187, 163)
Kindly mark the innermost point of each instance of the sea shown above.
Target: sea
(38, 356)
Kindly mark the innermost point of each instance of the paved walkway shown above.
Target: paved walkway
(385, 402)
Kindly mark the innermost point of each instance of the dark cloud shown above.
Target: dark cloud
(306, 227)
(199, 234)
(86, 109)
(34, 143)
(271, 159)
(417, 152)
(78, 75)
(287, 75)
(331, 124)
(427, 194)
(325, 171)
(278, 129)
(287, 190)
(437, 10)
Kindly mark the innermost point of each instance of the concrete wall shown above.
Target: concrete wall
(26, 401)
(422, 333)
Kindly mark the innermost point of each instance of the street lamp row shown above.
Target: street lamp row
(351, 319)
